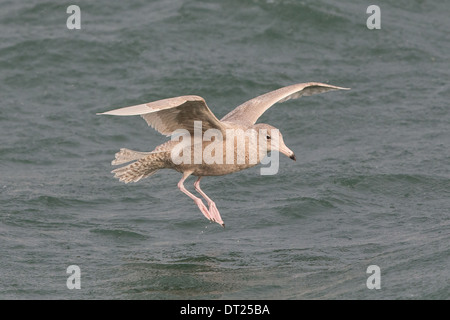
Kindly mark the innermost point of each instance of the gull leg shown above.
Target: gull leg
(214, 213)
(197, 200)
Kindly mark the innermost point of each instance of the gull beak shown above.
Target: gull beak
(288, 152)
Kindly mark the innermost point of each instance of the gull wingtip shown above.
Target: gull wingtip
(341, 88)
(326, 85)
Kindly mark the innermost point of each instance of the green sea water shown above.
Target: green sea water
(371, 184)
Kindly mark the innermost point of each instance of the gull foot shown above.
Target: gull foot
(203, 209)
(214, 213)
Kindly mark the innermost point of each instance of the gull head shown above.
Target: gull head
(273, 139)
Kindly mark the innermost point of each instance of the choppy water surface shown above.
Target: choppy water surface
(371, 185)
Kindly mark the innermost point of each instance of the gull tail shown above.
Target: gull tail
(126, 155)
(147, 164)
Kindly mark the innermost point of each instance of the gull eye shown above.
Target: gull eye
(268, 137)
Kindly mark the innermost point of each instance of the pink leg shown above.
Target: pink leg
(197, 201)
(214, 213)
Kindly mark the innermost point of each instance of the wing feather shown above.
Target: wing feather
(250, 111)
(168, 115)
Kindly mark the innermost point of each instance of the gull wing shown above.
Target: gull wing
(250, 111)
(168, 115)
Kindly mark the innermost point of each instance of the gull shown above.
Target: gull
(180, 117)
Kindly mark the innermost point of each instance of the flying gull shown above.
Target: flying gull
(186, 116)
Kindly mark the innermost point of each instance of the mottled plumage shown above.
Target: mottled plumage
(186, 113)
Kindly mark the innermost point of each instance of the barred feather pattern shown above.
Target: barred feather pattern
(146, 166)
(126, 155)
